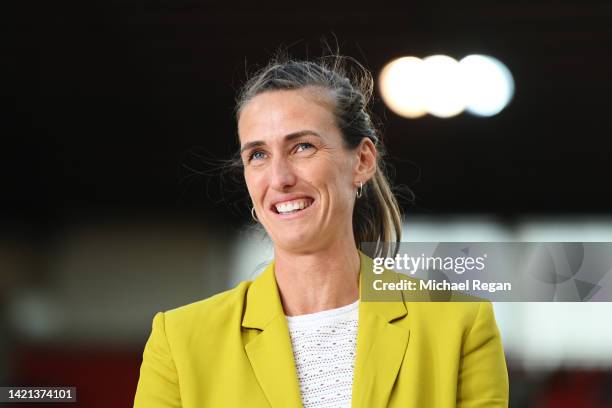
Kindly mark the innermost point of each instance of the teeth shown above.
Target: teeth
(291, 206)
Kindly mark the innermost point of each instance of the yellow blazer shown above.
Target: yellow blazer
(234, 350)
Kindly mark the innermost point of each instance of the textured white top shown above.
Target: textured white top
(324, 346)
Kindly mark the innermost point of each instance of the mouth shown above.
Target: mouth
(292, 206)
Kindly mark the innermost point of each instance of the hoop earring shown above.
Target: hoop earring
(253, 214)
(360, 189)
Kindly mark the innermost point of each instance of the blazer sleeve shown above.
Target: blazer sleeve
(483, 376)
(158, 385)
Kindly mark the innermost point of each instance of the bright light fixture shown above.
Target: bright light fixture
(443, 87)
(402, 87)
(489, 83)
(445, 95)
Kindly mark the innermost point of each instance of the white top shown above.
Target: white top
(324, 346)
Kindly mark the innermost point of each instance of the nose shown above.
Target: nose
(282, 174)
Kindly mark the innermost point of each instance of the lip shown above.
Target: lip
(297, 214)
(291, 197)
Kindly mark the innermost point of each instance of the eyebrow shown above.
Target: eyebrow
(289, 137)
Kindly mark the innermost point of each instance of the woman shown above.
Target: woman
(298, 335)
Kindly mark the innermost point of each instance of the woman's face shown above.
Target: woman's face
(301, 178)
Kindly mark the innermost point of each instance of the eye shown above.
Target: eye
(300, 147)
(256, 155)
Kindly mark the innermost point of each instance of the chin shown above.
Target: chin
(296, 242)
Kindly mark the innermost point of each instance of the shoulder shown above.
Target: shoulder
(464, 313)
(444, 308)
(212, 313)
(463, 317)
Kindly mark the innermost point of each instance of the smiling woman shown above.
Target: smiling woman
(298, 155)
(316, 108)
(299, 334)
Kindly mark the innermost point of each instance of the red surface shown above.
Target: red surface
(103, 378)
(570, 389)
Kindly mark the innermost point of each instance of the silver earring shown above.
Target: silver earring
(360, 189)
(253, 214)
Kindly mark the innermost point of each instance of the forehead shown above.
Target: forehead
(277, 113)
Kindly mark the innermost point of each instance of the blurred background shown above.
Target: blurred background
(116, 113)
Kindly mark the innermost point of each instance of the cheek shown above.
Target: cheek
(338, 176)
(253, 185)
(345, 175)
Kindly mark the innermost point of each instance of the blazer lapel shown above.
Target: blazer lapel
(270, 352)
(382, 341)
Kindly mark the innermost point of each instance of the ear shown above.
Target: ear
(365, 165)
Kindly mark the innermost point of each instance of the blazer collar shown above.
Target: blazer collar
(263, 302)
(381, 342)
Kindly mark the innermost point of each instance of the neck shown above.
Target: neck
(311, 282)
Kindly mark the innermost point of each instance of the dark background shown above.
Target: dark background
(116, 113)
(111, 98)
